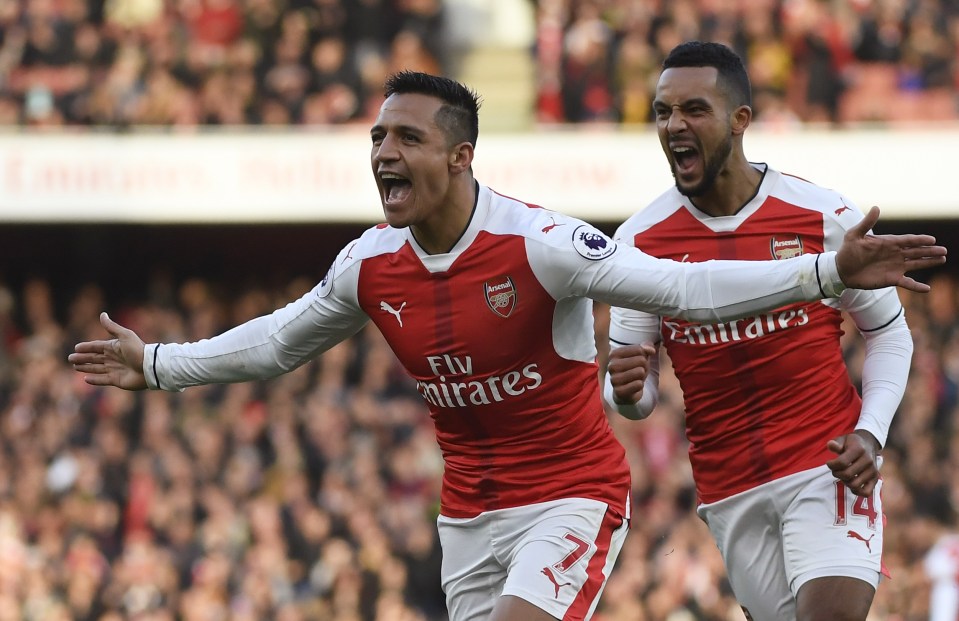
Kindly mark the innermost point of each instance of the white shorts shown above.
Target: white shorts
(778, 536)
(556, 555)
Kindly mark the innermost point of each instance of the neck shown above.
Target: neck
(735, 186)
(439, 233)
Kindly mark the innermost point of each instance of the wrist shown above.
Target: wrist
(828, 275)
(870, 440)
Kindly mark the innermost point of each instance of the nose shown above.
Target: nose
(387, 150)
(676, 121)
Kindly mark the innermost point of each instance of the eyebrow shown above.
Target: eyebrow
(688, 102)
(401, 128)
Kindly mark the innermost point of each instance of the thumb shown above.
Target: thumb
(869, 221)
(836, 444)
(110, 326)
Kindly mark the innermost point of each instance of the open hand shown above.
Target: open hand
(115, 362)
(867, 261)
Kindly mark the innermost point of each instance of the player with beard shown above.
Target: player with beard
(785, 453)
(485, 300)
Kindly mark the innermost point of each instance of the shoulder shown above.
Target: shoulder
(547, 230)
(511, 216)
(376, 240)
(659, 210)
(833, 205)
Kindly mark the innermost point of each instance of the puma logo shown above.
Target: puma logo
(842, 209)
(854, 535)
(550, 227)
(393, 311)
(552, 578)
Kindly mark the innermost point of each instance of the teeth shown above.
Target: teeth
(392, 176)
(682, 150)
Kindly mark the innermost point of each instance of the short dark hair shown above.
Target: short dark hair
(459, 114)
(733, 78)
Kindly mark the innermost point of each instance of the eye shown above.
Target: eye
(376, 138)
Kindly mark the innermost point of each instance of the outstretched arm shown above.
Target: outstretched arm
(588, 264)
(258, 349)
(114, 362)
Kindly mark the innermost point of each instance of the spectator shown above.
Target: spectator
(587, 90)
(59, 66)
(216, 62)
(811, 61)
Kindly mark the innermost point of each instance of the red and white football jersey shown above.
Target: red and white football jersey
(498, 335)
(765, 393)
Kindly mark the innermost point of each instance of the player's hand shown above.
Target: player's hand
(115, 362)
(856, 463)
(627, 369)
(868, 261)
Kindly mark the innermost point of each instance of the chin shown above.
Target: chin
(685, 188)
(685, 185)
(691, 189)
(395, 220)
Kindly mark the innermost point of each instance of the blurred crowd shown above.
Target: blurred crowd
(184, 63)
(831, 61)
(314, 495)
(190, 63)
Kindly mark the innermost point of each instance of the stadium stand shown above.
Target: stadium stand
(313, 496)
(834, 62)
(227, 62)
(208, 62)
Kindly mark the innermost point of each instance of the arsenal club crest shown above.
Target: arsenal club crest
(500, 295)
(785, 247)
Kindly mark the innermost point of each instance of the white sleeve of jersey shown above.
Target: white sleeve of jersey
(589, 264)
(885, 369)
(631, 327)
(266, 346)
(879, 317)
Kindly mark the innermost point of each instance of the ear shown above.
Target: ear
(741, 119)
(461, 158)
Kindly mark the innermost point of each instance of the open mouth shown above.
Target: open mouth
(685, 158)
(396, 188)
